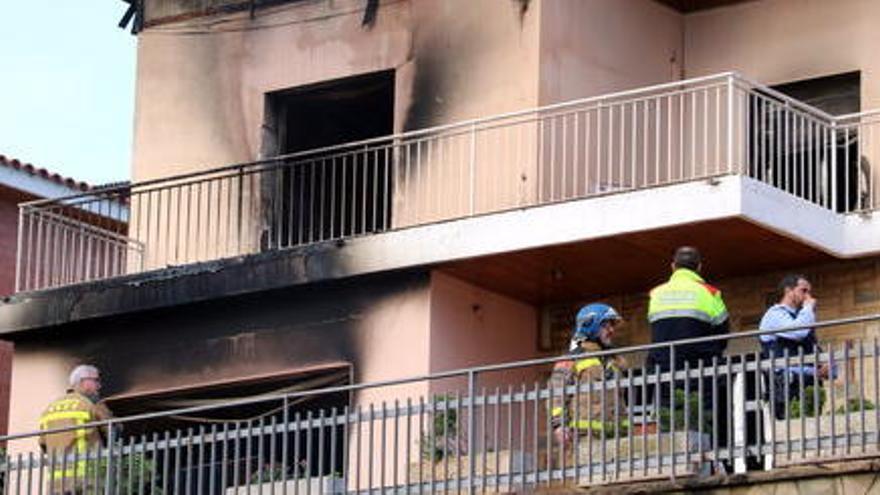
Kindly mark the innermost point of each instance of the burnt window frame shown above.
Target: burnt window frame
(790, 171)
(327, 191)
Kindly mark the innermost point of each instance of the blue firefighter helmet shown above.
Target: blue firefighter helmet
(589, 321)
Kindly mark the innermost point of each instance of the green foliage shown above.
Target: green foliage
(693, 412)
(267, 474)
(442, 439)
(130, 473)
(855, 405)
(276, 472)
(809, 408)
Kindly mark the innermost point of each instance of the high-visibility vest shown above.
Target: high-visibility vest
(687, 307)
(68, 449)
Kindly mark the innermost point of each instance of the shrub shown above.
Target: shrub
(855, 405)
(126, 474)
(693, 410)
(809, 408)
(442, 439)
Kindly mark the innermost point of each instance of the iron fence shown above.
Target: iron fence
(492, 428)
(660, 135)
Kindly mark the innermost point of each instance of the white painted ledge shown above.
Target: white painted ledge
(842, 236)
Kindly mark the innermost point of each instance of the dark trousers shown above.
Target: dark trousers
(782, 402)
(712, 399)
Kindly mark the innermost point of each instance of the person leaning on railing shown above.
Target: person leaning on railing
(588, 413)
(796, 308)
(68, 449)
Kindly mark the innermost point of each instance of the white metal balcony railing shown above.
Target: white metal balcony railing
(489, 428)
(665, 134)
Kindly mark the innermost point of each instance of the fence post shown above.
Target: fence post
(671, 414)
(471, 441)
(108, 476)
(739, 422)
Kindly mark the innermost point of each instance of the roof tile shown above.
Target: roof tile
(44, 173)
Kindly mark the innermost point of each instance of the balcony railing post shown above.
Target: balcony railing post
(240, 214)
(19, 254)
(833, 152)
(731, 121)
(472, 169)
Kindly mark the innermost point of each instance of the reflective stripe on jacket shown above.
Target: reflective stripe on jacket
(586, 412)
(686, 307)
(67, 449)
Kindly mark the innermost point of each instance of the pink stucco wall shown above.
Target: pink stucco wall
(779, 41)
(471, 326)
(594, 47)
(200, 91)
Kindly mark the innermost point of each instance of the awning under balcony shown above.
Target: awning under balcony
(200, 401)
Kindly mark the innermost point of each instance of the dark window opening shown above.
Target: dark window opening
(837, 95)
(345, 191)
(795, 151)
(246, 444)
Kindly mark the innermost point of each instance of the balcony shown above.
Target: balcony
(489, 428)
(714, 149)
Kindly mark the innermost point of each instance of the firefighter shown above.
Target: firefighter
(68, 449)
(583, 413)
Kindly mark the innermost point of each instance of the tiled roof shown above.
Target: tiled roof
(28, 168)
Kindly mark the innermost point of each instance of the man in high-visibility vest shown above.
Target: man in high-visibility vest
(582, 413)
(687, 307)
(68, 450)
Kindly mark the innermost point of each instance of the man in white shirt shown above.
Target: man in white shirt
(796, 308)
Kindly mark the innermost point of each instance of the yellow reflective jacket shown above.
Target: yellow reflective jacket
(67, 449)
(588, 412)
(686, 307)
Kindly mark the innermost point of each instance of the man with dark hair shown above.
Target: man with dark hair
(796, 308)
(686, 307)
(687, 257)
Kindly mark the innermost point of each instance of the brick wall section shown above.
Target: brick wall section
(843, 288)
(9, 200)
(5, 382)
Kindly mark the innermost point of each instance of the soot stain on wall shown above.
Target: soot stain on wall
(228, 338)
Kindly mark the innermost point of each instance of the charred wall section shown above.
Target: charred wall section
(357, 320)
